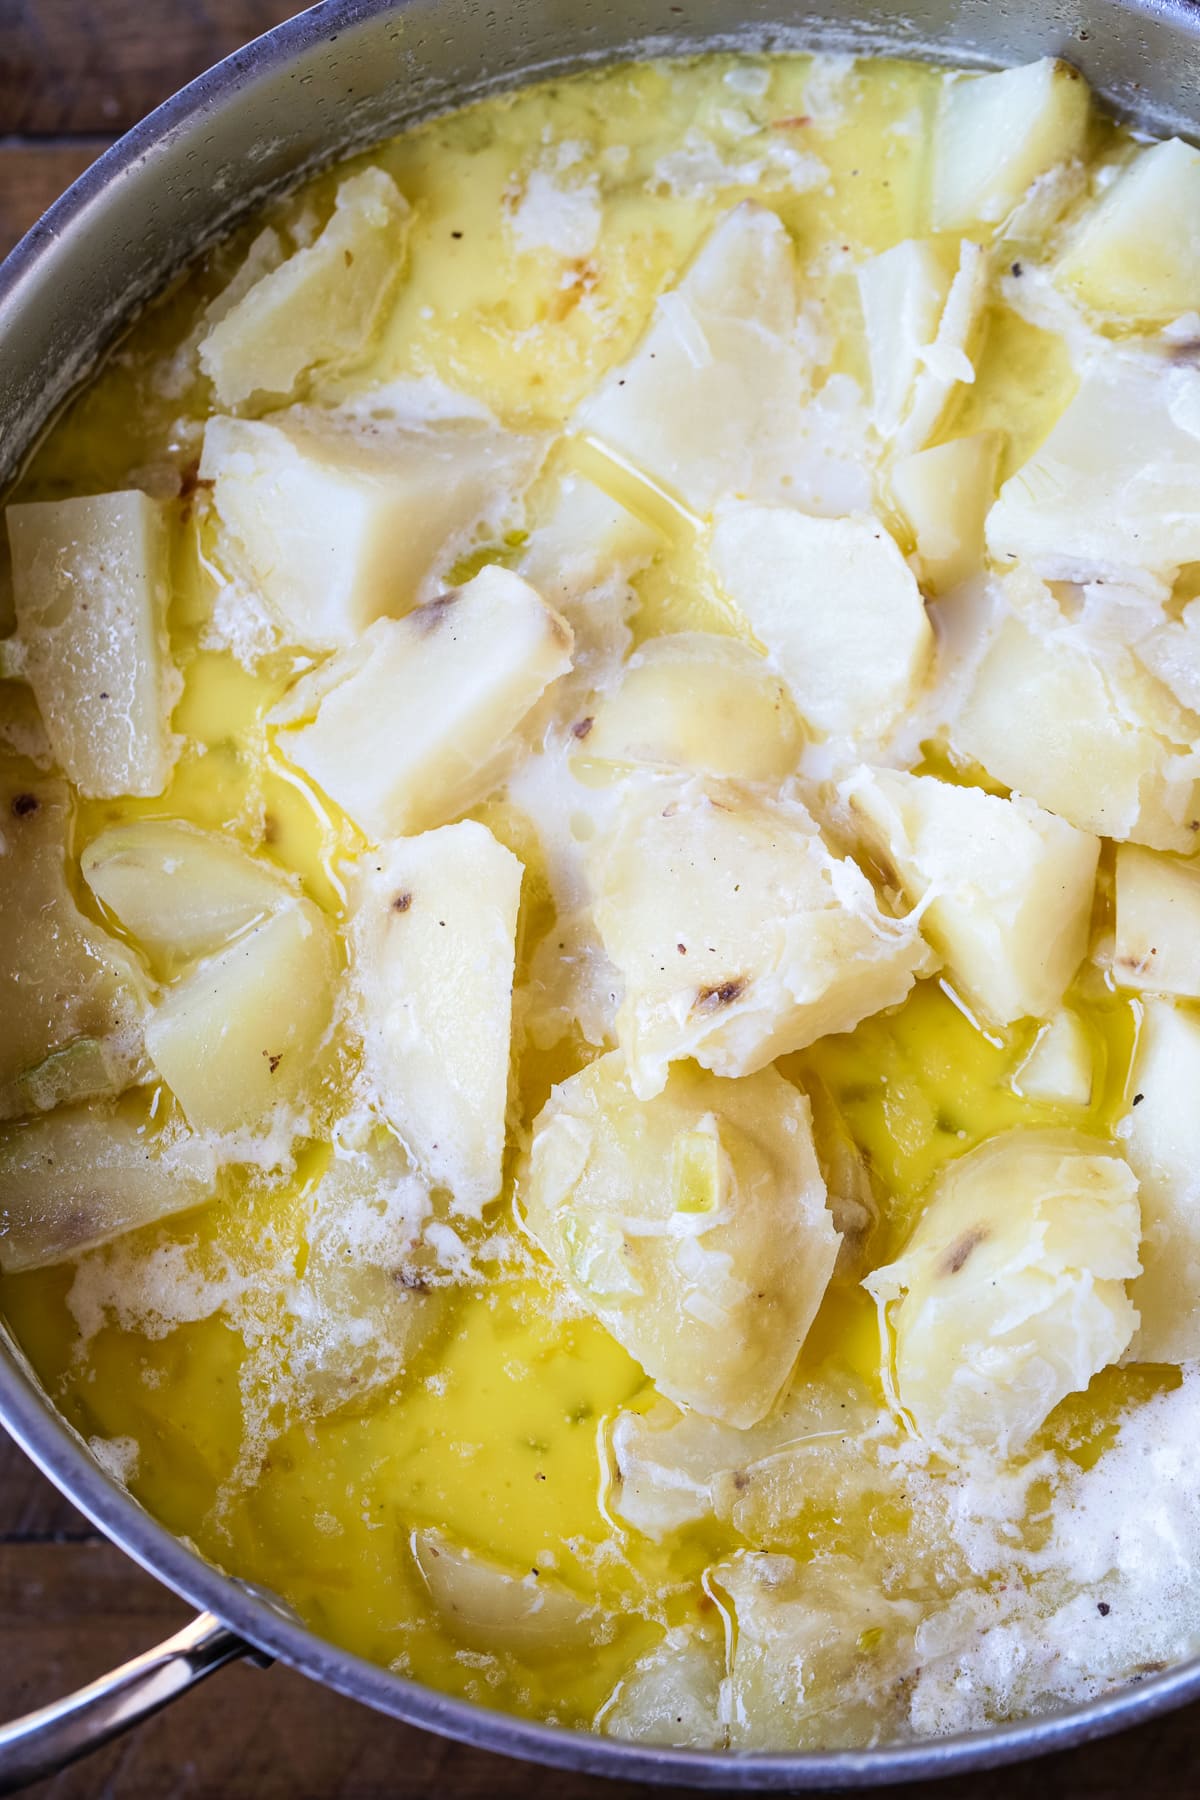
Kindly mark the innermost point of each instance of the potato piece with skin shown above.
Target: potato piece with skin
(91, 584)
(997, 134)
(72, 998)
(1010, 1294)
(816, 1647)
(493, 1608)
(433, 941)
(179, 891)
(238, 1035)
(1094, 741)
(1136, 253)
(409, 722)
(670, 1696)
(84, 1175)
(738, 934)
(1060, 1066)
(922, 320)
(1157, 945)
(1115, 487)
(1163, 1147)
(1009, 887)
(338, 518)
(693, 1225)
(320, 308)
(944, 494)
(698, 701)
(835, 604)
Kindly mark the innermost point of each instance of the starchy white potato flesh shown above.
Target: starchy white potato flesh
(694, 1225)
(1163, 1146)
(433, 942)
(83, 1175)
(1008, 887)
(91, 585)
(238, 1035)
(1116, 484)
(71, 996)
(944, 494)
(1049, 716)
(586, 538)
(492, 1608)
(671, 1695)
(1157, 944)
(1060, 1066)
(996, 134)
(1011, 1293)
(836, 606)
(337, 518)
(320, 308)
(737, 933)
(410, 719)
(178, 891)
(922, 318)
(1137, 251)
(698, 701)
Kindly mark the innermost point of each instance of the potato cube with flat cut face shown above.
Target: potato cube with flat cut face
(738, 935)
(698, 701)
(944, 494)
(84, 1175)
(1163, 1146)
(671, 1696)
(693, 1225)
(1137, 252)
(91, 585)
(1010, 1294)
(71, 997)
(1083, 735)
(337, 518)
(922, 320)
(320, 308)
(239, 1034)
(586, 538)
(1009, 885)
(1157, 944)
(1060, 1066)
(404, 726)
(433, 941)
(837, 607)
(997, 134)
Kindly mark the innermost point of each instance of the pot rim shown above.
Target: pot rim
(62, 1455)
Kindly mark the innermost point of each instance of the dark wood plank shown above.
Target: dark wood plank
(34, 173)
(98, 66)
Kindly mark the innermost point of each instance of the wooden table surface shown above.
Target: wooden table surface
(73, 75)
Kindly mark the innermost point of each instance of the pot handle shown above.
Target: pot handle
(56, 1735)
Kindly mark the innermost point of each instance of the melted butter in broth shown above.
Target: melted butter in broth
(496, 1432)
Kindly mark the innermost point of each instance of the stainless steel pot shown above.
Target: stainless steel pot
(335, 78)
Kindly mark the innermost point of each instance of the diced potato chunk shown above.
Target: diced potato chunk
(1049, 716)
(1171, 652)
(671, 1695)
(338, 518)
(497, 1609)
(1116, 484)
(588, 537)
(738, 935)
(1137, 252)
(71, 997)
(698, 701)
(410, 720)
(83, 1175)
(922, 321)
(320, 308)
(1011, 1294)
(238, 1035)
(1158, 923)
(694, 1226)
(1163, 1146)
(817, 1646)
(996, 134)
(835, 604)
(433, 940)
(91, 584)
(1059, 1067)
(945, 494)
(1009, 886)
(179, 891)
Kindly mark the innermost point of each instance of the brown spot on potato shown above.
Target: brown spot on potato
(24, 806)
(581, 728)
(724, 993)
(429, 618)
(958, 1254)
(401, 903)
(274, 1058)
